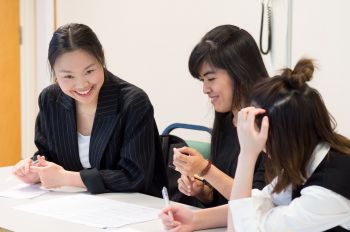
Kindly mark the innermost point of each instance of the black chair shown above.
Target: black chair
(170, 141)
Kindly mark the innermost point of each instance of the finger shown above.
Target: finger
(36, 169)
(264, 127)
(181, 189)
(179, 166)
(17, 169)
(189, 151)
(241, 117)
(184, 188)
(42, 161)
(251, 114)
(170, 226)
(180, 157)
(18, 172)
(176, 229)
(27, 164)
(244, 112)
(21, 169)
(186, 181)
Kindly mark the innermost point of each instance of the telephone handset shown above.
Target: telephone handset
(266, 6)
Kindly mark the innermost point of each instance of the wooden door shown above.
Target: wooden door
(10, 132)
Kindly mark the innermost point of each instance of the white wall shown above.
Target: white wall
(148, 43)
(321, 30)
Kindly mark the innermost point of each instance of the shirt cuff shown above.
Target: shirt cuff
(93, 181)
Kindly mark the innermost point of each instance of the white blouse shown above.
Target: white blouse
(317, 209)
(84, 145)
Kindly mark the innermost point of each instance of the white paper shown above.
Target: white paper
(92, 211)
(125, 230)
(23, 191)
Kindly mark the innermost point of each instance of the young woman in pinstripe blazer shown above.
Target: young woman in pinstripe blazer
(93, 130)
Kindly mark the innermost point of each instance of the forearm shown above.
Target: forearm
(211, 217)
(243, 178)
(220, 181)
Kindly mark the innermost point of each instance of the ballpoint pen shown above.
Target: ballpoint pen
(195, 175)
(166, 200)
(9, 178)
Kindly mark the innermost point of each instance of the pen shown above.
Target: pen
(166, 200)
(9, 178)
(35, 162)
(195, 175)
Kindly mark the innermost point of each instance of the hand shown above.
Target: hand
(190, 164)
(251, 139)
(51, 175)
(183, 219)
(189, 187)
(22, 170)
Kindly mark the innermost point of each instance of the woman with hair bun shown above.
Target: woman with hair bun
(308, 162)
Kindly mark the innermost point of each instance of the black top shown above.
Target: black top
(125, 153)
(226, 159)
(333, 174)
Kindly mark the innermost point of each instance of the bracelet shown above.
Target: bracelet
(206, 169)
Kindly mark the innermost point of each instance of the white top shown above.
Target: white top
(84, 145)
(317, 209)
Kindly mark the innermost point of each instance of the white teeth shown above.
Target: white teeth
(84, 92)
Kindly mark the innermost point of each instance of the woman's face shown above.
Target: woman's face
(217, 84)
(79, 75)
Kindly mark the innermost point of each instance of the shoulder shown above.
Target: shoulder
(49, 94)
(129, 94)
(332, 173)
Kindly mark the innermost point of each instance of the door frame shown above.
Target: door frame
(37, 20)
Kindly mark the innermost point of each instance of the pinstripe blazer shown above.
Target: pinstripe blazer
(125, 153)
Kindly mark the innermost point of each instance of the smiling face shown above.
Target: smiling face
(80, 76)
(217, 84)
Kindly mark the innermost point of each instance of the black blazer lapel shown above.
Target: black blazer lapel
(105, 121)
(67, 135)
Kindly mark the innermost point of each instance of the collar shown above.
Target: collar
(319, 153)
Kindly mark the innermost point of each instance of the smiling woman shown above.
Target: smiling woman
(94, 129)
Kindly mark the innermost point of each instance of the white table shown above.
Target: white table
(17, 220)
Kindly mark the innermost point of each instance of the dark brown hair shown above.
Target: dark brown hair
(234, 50)
(298, 121)
(72, 37)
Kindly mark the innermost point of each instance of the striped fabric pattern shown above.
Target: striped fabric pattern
(125, 153)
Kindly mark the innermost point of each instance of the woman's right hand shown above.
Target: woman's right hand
(189, 187)
(23, 172)
(182, 221)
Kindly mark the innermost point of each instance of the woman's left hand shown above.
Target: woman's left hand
(188, 161)
(251, 139)
(51, 175)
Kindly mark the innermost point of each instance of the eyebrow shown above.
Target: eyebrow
(67, 71)
(208, 72)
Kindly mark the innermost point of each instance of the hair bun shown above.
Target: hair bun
(301, 74)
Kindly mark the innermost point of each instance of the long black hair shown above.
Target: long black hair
(233, 49)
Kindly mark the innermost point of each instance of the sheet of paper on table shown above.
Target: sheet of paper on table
(23, 191)
(92, 211)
